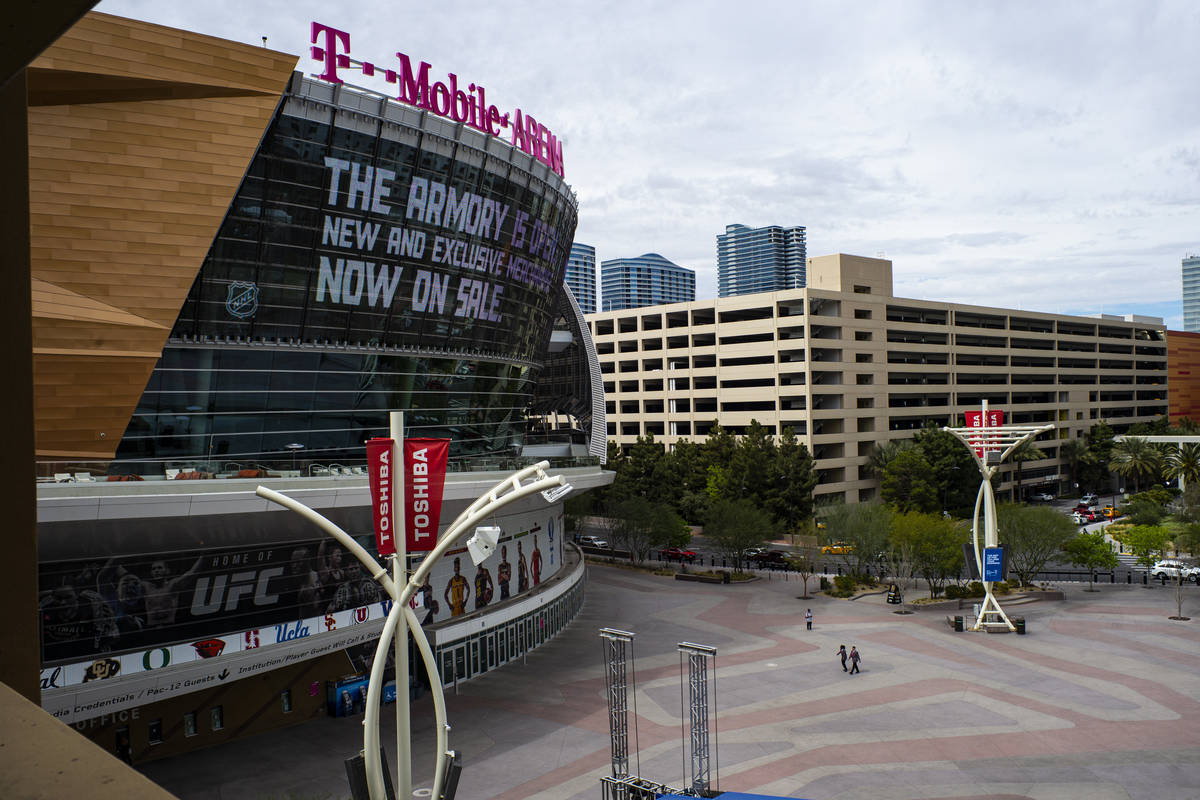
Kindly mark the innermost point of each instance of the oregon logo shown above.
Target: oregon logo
(147, 661)
(242, 301)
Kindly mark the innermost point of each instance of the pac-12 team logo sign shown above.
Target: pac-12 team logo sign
(242, 301)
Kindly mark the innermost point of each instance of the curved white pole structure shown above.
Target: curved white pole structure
(486, 505)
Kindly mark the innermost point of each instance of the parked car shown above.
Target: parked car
(1089, 499)
(592, 541)
(1083, 517)
(770, 559)
(1172, 568)
(1042, 497)
(677, 554)
(1109, 512)
(753, 552)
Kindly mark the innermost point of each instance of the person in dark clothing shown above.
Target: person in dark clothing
(854, 659)
(842, 653)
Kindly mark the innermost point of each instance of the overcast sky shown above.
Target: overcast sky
(1037, 155)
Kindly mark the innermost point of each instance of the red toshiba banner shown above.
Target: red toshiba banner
(975, 420)
(381, 461)
(424, 478)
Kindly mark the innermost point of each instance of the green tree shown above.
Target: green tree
(1075, 454)
(1031, 536)
(1188, 539)
(904, 536)
(804, 562)
(1147, 543)
(863, 526)
(1144, 511)
(907, 483)
(1135, 457)
(746, 475)
(1183, 463)
(1026, 451)
(882, 454)
(791, 482)
(1092, 552)
(641, 526)
(1093, 473)
(933, 544)
(952, 469)
(735, 526)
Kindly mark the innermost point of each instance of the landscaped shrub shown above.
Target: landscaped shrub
(974, 589)
(953, 591)
(844, 585)
(824, 584)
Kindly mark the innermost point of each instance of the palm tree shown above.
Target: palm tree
(1025, 451)
(1075, 454)
(882, 454)
(1184, 463)
(1134, 457)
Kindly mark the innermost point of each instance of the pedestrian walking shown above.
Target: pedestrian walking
(808, 618)
(842, 653)
(854, 659)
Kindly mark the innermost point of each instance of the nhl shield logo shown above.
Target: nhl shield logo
(242, 301)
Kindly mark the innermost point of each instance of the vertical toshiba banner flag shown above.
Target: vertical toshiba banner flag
(424, 477)
(975, 420)
(381, 463)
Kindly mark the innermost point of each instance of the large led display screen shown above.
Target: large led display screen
(385, 234)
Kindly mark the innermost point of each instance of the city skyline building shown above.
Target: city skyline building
(581, 276)
(1191, 293)
(766, 259)
(645, 280)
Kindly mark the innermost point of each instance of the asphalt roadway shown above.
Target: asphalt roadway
(1101, 700)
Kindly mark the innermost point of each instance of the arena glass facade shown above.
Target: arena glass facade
(375, 258)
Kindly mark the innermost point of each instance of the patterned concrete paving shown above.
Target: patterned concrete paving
(1101, 701)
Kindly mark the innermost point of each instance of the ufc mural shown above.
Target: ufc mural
(93, 606)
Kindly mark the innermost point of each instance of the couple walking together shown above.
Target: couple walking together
(852, 656)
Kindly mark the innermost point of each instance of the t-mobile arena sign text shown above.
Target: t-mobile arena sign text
(332, 48)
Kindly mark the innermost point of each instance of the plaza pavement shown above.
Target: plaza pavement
(1101, 700)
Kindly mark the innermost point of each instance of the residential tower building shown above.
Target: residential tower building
(764, 259)
(1191, 293)
(647, 280)
(581, 276)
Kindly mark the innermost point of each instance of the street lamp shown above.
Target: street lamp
(481, 545)
(294, 446)
(989, 445)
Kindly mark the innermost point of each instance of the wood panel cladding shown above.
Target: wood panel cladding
(139, 136)
(1183, 375)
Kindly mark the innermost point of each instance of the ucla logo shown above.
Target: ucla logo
(242, 301)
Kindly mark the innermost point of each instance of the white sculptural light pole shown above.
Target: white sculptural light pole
(506, 491)
(989, 445)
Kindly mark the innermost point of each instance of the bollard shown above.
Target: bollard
(1129, 577)
(1145, 576)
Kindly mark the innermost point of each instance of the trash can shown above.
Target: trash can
(725, 577)
(1020, 623)
(958, 625)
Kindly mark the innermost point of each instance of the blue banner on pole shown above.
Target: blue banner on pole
(993, 564)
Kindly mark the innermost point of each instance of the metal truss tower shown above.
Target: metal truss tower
(698, 773)
(616, 642)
